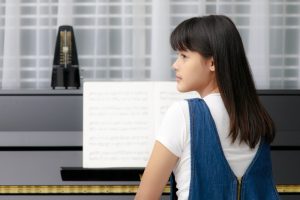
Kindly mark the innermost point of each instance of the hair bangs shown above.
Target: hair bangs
(180, 39)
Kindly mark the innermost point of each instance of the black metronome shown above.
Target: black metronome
(65, 71)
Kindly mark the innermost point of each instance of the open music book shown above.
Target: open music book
(120, 120)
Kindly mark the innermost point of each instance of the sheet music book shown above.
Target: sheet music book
(120, 120)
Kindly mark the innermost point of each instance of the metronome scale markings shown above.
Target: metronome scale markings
(66, 44)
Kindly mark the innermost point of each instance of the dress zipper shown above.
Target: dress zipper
(239, 184)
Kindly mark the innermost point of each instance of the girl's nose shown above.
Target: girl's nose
(175, 64)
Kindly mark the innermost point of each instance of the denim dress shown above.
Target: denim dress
(211, 175)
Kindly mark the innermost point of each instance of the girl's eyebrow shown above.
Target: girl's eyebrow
(180, 51)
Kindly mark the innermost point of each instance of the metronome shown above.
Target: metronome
(65, 72)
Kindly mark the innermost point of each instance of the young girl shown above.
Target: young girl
(217, 146)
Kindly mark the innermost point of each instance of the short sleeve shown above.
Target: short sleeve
(172, 129)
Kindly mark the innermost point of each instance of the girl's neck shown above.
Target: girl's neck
(208, 91)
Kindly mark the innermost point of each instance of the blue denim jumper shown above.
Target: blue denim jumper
(211, 175)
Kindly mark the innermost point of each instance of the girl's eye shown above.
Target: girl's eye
(182, 55)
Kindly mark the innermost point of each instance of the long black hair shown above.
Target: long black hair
(216, 36)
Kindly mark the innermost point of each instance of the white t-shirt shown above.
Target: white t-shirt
(174, 134)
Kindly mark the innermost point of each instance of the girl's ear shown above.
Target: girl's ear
(211, 64)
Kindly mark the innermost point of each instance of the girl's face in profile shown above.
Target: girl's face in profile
(194, 72)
